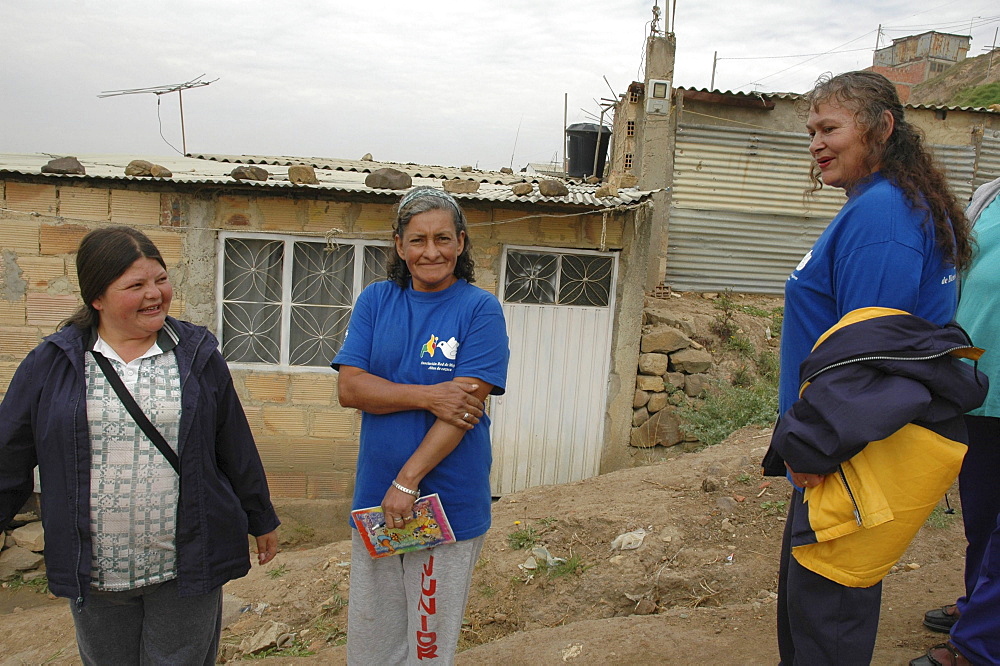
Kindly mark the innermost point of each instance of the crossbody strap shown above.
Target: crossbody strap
(136, 412)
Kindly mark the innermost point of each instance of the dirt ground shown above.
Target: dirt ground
(699, 588)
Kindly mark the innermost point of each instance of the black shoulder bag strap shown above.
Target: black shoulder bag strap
(133, 408)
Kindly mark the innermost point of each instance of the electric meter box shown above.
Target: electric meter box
(658, 96)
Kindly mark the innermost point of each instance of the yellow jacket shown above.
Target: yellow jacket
(889, 391)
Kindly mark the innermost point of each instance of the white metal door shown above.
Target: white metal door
(549, 426)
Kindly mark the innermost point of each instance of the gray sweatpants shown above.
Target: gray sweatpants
(148, 625)
(407, 609)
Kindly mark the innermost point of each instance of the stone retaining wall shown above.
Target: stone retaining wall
(672, 365)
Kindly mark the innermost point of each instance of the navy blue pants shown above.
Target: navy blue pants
(977, 632)
(819, 621)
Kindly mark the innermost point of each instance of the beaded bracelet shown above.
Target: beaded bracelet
(404, 489)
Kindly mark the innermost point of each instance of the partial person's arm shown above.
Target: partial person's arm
(267, 547)
(236, 453)
(440, 440)
(449, 401)
(17, 443)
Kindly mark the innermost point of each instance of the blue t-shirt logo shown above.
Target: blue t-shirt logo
(447, 347)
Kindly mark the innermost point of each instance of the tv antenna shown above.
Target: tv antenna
(178, 88)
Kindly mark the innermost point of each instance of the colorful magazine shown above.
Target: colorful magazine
(429, 527)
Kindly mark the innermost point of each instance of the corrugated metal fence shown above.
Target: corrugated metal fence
(988, 164)
(740, 218)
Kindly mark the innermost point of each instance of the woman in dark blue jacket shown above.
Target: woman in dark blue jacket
(140, 535)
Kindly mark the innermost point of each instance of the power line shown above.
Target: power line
(810, 59)
(801, 55)
(953, 25)
(983, 21)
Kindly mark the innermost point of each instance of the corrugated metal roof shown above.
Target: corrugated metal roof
(196, 170)
(367, 166)
(739, 93)
(796, 96)
(988, 166)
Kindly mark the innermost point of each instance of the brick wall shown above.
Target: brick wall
(308, 443)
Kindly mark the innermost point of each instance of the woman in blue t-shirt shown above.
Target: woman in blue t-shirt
(424, 349)
(898, 242)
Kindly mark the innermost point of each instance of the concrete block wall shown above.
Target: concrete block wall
(41, 225)
(308, 443)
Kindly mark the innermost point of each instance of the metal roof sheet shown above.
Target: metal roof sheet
(367, 166)
(215, 171)
(795, 96)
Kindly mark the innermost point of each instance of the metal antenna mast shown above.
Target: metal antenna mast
(178, 88)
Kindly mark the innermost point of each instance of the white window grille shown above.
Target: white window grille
(286, 301)
(558, 278)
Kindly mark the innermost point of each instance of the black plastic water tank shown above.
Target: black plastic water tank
(583, 141)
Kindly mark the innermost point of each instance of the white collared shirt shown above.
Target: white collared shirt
(130, 373)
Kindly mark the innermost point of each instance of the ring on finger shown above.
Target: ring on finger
(465, 417)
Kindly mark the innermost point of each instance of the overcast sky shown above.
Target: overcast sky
(436, 82)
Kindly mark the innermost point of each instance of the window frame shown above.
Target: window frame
(535, 249)
(285, 325)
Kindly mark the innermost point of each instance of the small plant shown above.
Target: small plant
(940, 518)
(726, 409)
(522, 539)
(336, 602)
(754, 311)
(742, 377)
(767, 364)
(574, 565)
(303, 531)
(725, 303)
(329, 632)
(278, 571)
(744, 478)
(775, 507)
(39, 585)
(295, 648)
(487, 590)
(777, 320)
(547, 521)
(741, 345)
(724, 327)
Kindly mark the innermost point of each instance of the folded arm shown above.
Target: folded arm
(442, 438)
(458, 402)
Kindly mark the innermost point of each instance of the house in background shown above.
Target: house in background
(917, 58)
(730, 171)
(273, 268)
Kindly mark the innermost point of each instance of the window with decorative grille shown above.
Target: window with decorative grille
(558, 278)
(287, 301)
